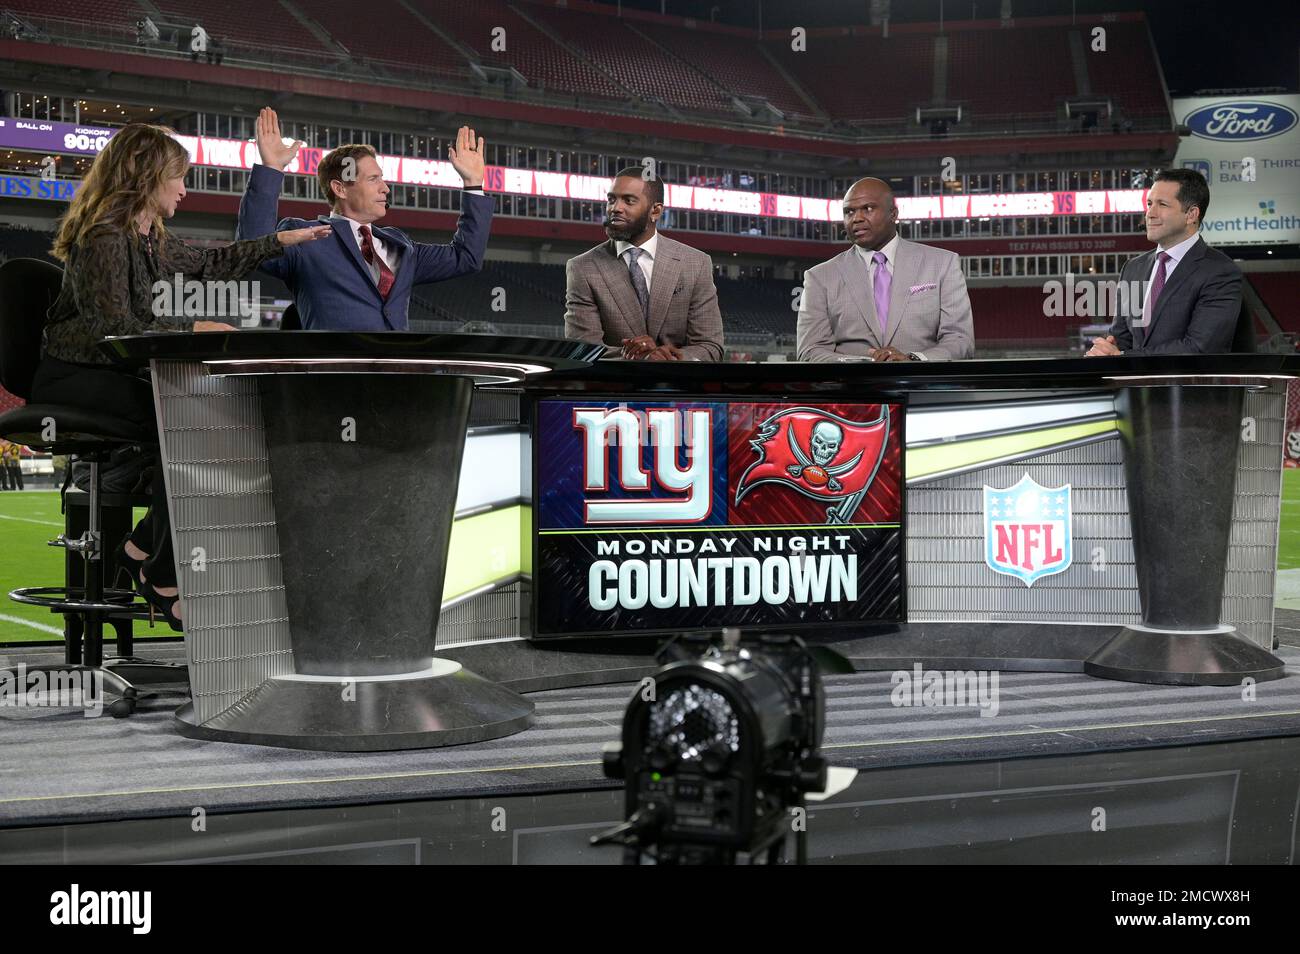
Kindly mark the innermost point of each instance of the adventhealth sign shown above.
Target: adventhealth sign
(1249, 152)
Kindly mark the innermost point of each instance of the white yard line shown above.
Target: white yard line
(6, 618)
(44, 523)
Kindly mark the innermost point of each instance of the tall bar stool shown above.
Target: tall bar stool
(27, 289)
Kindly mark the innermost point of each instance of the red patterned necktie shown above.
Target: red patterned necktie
(368, 253)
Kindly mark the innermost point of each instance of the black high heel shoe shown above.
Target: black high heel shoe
(163, 604)
(128, 565)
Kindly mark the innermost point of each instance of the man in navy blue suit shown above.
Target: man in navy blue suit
(1188, 298)
(362, 279)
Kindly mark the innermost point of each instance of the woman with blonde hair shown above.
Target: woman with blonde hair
(115, 246)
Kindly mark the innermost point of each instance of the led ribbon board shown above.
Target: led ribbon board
(681, 515)
(70, 138)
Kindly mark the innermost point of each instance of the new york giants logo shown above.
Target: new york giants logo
(665, 431)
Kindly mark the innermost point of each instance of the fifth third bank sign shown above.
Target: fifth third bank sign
(1248, 149)
(658, 516)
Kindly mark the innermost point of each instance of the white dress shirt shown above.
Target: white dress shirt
(647, 258)
(391, 256)
(1175, 253)
(890, 249)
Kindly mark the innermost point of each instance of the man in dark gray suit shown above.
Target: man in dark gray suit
(1188, 296)
(648, 297)
(884, 299)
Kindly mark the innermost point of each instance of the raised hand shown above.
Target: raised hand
(309, 234)
(467, 157)
(270, 143)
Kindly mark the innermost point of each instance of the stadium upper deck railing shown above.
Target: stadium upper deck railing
(367, 69)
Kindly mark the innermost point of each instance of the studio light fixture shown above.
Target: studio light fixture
(719, 749)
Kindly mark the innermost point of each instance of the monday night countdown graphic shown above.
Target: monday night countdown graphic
(663, 515)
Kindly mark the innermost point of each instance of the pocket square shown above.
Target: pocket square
(922, 287)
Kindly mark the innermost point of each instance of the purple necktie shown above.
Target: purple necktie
(882, 282)
(1157, 285)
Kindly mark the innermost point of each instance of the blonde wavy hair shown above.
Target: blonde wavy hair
(121, 185)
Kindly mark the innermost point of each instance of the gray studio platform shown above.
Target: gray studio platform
(112, 769)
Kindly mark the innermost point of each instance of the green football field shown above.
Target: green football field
(29, 518)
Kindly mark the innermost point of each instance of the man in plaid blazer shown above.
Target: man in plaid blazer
(645, 295)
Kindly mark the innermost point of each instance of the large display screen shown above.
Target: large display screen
(677, 515)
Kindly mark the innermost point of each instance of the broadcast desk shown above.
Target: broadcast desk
(313, 483)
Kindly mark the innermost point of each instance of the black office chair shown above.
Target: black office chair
(27, 289)
(290, 321)
(1243, 335)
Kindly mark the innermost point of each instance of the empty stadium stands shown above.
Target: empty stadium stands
(636, 64)
(120, 12)
(533, 295)
(1281, 294)
(254, 23)
(541, 61)
(1128, 71)
(16, 242)
(863, 76)
(734, 63)
(1013, 317)
(394, 36)
(989, 70)
(854, 75)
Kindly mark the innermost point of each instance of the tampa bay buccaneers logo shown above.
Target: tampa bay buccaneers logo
(819, 454)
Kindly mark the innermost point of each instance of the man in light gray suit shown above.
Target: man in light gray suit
(884, 299)
(650, 298)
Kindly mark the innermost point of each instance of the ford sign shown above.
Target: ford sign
(1240, 122)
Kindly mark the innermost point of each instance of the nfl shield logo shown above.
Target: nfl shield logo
(1027, 529)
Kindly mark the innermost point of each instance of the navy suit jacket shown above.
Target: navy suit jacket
(331, 282)
(1196, 312)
